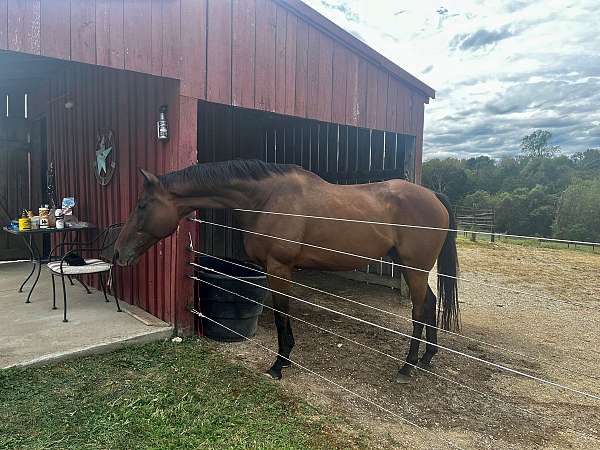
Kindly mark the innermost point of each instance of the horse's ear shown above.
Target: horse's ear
(149, 178)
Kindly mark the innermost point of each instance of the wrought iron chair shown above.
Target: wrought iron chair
(102, 247)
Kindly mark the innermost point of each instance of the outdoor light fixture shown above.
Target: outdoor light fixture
(162, 127)
(69, 104)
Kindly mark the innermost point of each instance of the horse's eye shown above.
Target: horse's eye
(142, 206)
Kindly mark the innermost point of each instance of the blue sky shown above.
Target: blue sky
(500, 68)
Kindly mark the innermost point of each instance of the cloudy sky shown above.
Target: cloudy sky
(500, 68)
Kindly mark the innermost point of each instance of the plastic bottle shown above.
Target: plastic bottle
(60, 219)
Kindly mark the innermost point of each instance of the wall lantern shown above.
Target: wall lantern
(162, 127)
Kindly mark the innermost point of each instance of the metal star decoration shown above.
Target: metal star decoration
(101, 155)
(106, 159)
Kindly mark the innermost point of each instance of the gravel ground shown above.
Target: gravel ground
(552, 335)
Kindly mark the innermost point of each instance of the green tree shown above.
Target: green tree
(447, 176)
(555, 173)
(525, 211)
(587, 163)
(535, 145)
(578, 214)
(479, 200)
(483, 174)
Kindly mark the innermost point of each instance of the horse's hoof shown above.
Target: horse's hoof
(403, 379)
(273, 374)
(425, 365)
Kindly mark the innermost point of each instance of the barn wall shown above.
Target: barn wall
(127, 103)
(271, 55)
(262, 54)
(137, 35)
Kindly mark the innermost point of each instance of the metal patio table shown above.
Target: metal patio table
(37, 257)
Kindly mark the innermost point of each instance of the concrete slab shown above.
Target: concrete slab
(34, 334)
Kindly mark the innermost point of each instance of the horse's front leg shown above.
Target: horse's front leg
(285, 337)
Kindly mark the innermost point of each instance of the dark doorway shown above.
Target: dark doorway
(15, 164)
(338, 153)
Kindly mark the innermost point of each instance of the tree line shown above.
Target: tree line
(539, 192)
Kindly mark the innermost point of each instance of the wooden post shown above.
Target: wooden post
(473, 224)
(186, 154)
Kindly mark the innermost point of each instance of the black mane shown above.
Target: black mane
(224, 171)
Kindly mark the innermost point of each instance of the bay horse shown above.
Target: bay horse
(255, 185)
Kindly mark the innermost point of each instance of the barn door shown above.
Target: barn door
(14, 189)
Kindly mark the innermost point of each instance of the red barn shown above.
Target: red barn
(269, 79)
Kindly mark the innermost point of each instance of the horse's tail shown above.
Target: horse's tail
(447, 264)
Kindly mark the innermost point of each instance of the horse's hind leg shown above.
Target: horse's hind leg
(417, 284)
(431, 331)
(285, 337)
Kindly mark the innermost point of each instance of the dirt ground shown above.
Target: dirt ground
(556, 339)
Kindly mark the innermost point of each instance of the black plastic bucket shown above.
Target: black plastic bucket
(228, 309)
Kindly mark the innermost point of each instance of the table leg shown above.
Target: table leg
(39, 269)
(32, 263)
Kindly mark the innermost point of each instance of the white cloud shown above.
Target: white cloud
(500, 68)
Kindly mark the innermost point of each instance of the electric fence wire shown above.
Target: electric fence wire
(318, 375)
(387, 355)
(400, 316)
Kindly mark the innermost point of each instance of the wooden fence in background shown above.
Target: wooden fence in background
(474, 220)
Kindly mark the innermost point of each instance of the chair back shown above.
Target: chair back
(108, 241)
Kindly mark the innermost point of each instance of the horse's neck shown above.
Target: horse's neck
(234, 194)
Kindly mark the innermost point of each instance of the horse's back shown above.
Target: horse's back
(306, 197)
(394, 201)
(404, 203)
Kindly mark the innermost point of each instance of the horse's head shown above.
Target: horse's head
(154, 217)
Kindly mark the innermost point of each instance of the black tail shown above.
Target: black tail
(447, 264)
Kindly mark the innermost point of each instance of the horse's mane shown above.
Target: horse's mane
(224, 171)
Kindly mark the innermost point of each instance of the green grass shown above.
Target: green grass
(159, 396)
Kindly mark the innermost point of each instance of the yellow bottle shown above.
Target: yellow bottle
(24, 222)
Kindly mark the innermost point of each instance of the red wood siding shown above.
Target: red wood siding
(83, 31)
(339, 93)
(218, 70)
(272, 55)
(290, 63)
(110, 33)
(56, 34)
(127, 103)
(301, 91)
(193, 48)
(4, 24)
(243, 58)
(280, 60)
(266, 33)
